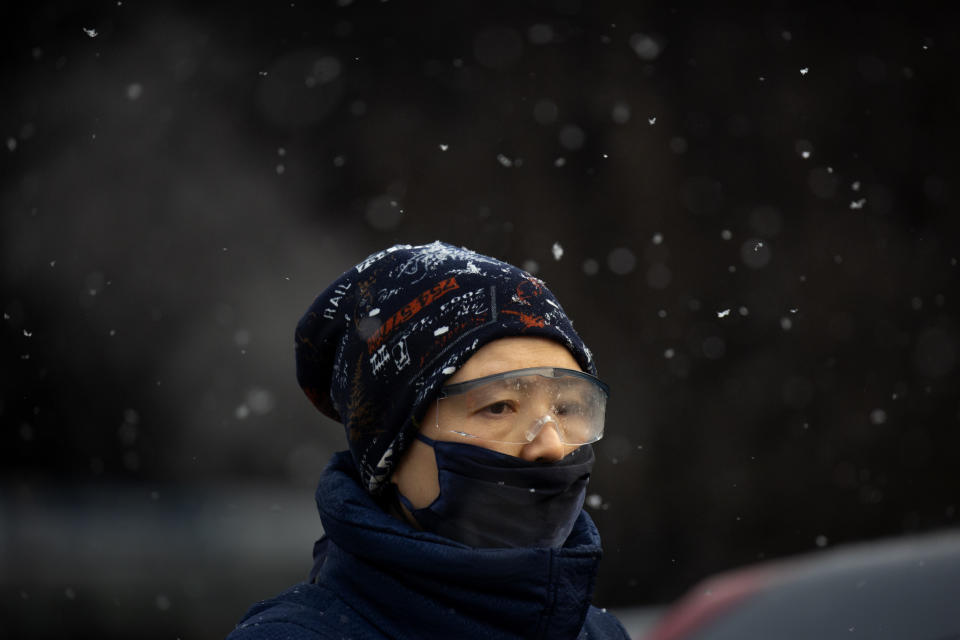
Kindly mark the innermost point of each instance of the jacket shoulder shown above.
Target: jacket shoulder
(303, 612)
(602, 625)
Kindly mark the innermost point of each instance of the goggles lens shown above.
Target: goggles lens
(514, 406)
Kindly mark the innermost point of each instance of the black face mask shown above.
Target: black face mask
(490, 499)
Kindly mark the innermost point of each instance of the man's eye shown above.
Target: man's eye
(498, 408)
(569, 409)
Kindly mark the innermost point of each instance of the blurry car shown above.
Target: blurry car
(899, 588)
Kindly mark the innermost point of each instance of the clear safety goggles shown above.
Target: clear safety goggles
(514, 406)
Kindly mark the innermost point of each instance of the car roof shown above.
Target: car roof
(900, 588)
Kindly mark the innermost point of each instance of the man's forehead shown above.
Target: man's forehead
(512, 353)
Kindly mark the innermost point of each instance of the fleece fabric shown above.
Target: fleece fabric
(376, 577)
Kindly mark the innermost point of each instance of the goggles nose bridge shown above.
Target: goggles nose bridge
(537, 427)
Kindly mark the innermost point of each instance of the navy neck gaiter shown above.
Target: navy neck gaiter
(490, 499)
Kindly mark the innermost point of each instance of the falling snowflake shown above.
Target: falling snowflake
(504, 160)
(858, 204)
(444, 147)
(652, 120)
(804, 71)
(723, 313)
(557, 251)
(93, 33)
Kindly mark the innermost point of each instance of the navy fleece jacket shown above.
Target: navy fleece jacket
(376, 577)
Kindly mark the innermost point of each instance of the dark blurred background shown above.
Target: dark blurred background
(751, 215)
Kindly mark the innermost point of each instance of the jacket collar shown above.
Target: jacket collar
(403, 579)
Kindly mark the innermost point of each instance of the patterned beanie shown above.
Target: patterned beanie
(375, 347)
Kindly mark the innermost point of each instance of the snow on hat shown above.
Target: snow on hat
(375, 347)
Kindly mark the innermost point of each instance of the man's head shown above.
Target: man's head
(374, 349)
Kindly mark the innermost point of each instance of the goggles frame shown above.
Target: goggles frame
(547, 372)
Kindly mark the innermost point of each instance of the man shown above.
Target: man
(469, 404)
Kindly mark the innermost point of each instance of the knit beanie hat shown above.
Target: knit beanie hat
(374, 348)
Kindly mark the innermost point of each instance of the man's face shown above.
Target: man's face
(416, 475)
